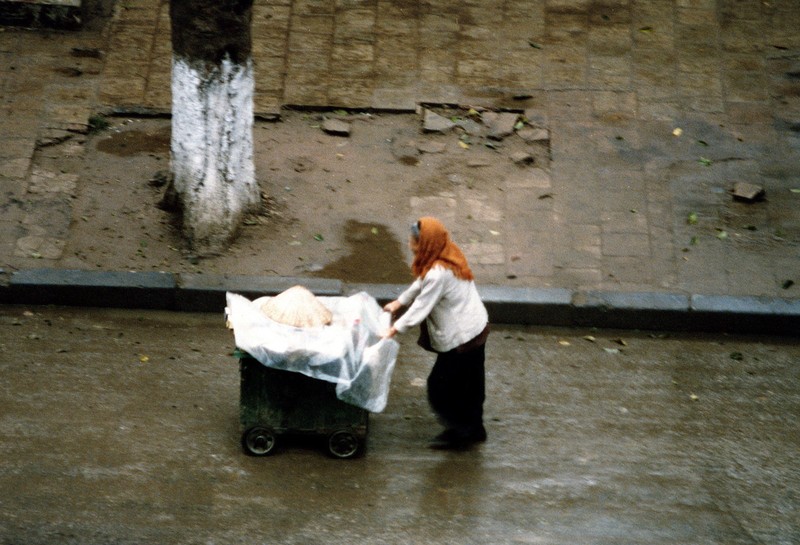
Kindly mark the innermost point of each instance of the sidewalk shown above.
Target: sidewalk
(653, 113)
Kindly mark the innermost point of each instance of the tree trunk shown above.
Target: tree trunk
(212, 119)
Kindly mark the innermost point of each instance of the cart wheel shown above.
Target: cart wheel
(259, 441)
(343, 444)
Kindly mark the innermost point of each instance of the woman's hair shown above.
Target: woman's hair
(434, 247)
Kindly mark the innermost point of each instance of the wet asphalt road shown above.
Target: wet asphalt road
(122, 427)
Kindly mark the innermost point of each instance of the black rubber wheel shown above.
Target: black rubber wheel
(259, 441)
(343, 444)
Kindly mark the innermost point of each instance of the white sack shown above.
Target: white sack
(349, 352)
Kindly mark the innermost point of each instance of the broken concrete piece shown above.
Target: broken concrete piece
(536, 118)
(534, 135)
(40, 247)
(502, 125)
(432, 147)
(522, 158)
(336, 127)
(746, 192)
(433, 122)
(471, 127)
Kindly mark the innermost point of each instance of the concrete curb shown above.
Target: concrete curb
(506, 305)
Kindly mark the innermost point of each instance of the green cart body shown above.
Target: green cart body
(276, 404)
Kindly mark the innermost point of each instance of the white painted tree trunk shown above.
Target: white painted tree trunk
(212, 149)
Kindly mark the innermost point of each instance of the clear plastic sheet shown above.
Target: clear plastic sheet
(349, 352)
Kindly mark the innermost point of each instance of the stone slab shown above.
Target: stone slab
(506, 305)
(744, 314)
(528, 306)
(64, 3)
(631, 310)
(144, 290)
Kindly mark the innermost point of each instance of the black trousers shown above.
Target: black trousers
(457, 389)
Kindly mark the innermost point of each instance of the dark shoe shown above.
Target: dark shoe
(445, 439)
(458, 444)
(479, 435)
(453, 439)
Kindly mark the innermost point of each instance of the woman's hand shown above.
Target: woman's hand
(393, 307)
(389, 333)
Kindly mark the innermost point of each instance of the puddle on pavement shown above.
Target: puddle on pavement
(375, 256)
(127, 143)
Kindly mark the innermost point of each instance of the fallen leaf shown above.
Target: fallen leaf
(787, 284)
(611, 350)
(621, 342)
(677, 131)
(494, 233)
(694, 241)
(463, 144)
(705, 161)
(590, 338)
(144, 359)
(702, 142)
(646, 29)
(564, 343)
(693, 397)
(691, 219)
(319, 237)
(722, 235)
(737, 356)
(374, 230)
(795, 190)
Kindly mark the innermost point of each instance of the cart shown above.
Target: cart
(276, 404)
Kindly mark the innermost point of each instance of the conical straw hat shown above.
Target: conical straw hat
(297, 307)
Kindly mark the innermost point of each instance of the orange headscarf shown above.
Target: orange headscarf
(434, 247)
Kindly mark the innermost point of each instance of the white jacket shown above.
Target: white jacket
(453, 308)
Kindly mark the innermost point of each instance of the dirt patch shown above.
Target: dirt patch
(132, 142)
(337, 207)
